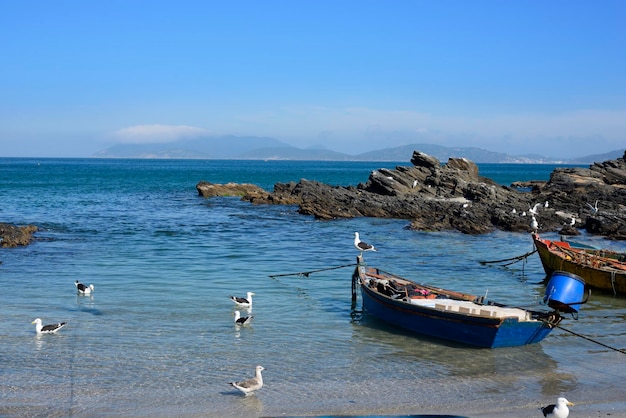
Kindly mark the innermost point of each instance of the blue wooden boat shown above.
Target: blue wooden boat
(448, 315)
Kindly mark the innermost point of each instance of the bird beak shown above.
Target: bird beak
(33, 322)
(570, 403)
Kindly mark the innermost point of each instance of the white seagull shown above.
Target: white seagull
(362, 246)
(245, 302)
(534, 225)
(250, 385)
(242, 320)
(560, 410)
(82, 289)
(535, 209)
(47, 329)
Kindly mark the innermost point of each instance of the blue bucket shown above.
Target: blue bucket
(564, 290)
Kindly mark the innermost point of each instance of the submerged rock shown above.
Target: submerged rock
(14, 236)
(453, 196)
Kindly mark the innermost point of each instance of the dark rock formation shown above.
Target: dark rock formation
(13, 236)
(454, 196)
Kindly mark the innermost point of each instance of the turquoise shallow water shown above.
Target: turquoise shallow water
(157, 336)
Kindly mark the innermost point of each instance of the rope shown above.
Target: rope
(308, 273)
(590, 339)
(513, 259)
(613, 282)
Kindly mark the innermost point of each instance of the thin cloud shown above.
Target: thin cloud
(151, 134)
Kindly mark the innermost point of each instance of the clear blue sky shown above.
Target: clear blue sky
(510, 76)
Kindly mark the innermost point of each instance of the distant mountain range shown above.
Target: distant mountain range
(264, 148)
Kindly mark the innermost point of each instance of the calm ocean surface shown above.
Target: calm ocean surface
(157, 336)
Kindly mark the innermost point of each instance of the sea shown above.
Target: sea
(157, 337)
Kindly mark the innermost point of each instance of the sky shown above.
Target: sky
(520, 77)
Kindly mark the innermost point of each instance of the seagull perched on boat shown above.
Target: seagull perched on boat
(47, 329)
(534, 225)
(82, 289)
(250, 385)
(241, 301)
(594, 208)
(242, 320)
(558, 410)
(362, 246)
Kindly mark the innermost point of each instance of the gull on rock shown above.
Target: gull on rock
(241, 301)
(594, 208)
(47, 329)
(558, 410)
(82, 289)
(242, 320)
(250, 385)
(362, 246)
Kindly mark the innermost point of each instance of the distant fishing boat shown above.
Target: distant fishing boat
(601, 269)
(456, 316)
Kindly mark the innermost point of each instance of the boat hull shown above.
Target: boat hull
(560, 256)
(474, 330)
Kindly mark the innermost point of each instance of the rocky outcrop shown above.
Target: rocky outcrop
(435, 196)
(14, 236)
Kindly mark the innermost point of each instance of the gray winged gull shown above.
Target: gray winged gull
(250, 385)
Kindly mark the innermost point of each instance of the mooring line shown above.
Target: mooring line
(308, 273)
(591, 339)
(516, 259)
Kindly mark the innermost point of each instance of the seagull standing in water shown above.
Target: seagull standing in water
(47, 329)
(242, 320)
(243, 302)
(82, 289)
(362, 246)
(250, 385)
(558, 410)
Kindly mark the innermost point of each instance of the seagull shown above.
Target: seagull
(560, 410)
(47, 329)
(535, 209)
(414, 184)
(534, 225)
(514, 211)
(362, 246)
(244, 302)
(594, 209)
(82, 289)
(545, 205)
(242, 320)
(250, 385)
